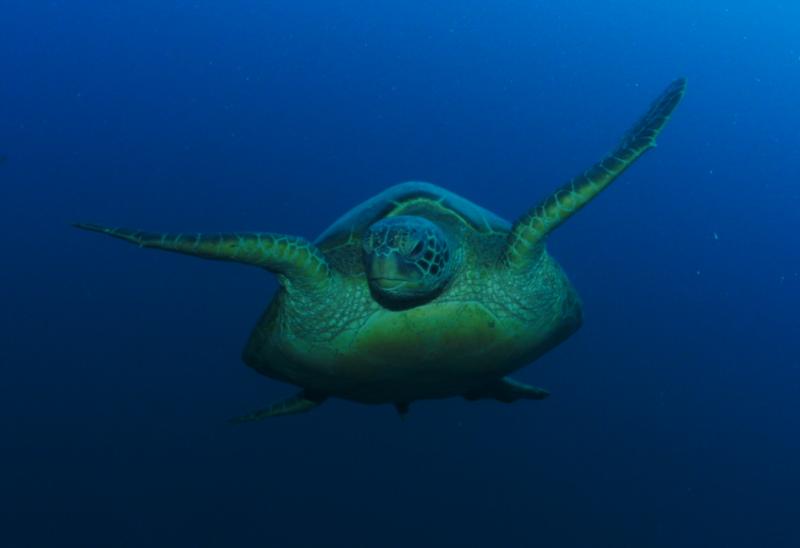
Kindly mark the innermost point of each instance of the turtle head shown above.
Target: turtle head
(407, 259)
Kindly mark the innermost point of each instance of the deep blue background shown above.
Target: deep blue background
(674, 417)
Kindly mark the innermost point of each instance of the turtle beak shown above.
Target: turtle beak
(385, 268)
(391, 273)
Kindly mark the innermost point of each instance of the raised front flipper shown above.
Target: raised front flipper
(531, 229)
(299, 403)
(295, 258)
(507, 390)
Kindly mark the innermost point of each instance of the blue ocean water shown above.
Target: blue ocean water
(674, 417)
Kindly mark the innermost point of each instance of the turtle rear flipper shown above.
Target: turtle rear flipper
(299, 403)
(508, 390)
(532, 228)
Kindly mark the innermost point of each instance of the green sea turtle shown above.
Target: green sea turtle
(417, 293)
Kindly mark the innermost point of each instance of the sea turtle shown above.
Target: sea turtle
(416, 293)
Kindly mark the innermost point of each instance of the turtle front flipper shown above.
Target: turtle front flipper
(531, 229)
(293, 257)
(299, 403)
(508, 390)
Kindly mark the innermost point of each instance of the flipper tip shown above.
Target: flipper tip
(90, 227)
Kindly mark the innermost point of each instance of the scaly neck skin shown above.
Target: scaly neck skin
(322, 312)
(296, 320)
(537, 294)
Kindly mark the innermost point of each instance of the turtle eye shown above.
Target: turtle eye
(417, 249)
